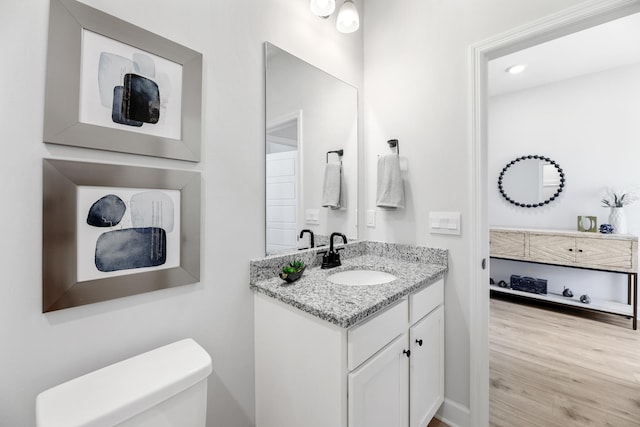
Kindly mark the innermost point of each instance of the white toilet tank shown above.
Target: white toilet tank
(165, 387)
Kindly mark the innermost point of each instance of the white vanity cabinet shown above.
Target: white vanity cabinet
(379, 390)
(386, 371)
(426, 378)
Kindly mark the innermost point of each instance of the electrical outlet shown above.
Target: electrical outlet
(312, 216)
(371, 218)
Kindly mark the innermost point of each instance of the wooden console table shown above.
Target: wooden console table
(616, 253)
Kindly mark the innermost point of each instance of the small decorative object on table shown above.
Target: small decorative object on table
(617, 200)
(587, 223)
(567, 293)
(528, 284)
(293, 271)
(606, 229)
(585, 299)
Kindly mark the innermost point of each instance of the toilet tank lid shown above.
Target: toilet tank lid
(117, 392)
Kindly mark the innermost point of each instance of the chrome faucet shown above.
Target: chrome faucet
(331, 259)
(310, 236)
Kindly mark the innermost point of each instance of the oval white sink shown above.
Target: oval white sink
(361, 278)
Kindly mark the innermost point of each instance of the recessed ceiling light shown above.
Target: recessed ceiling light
(516, 69)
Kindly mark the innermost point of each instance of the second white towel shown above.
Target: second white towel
(390, 189)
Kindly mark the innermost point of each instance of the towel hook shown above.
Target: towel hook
(394, 143)
(338, 152)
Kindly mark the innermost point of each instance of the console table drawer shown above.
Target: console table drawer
(507, 243)
(552, 249)
(604, 254)
(586, 252)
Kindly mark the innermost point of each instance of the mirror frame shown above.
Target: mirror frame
(531, 205)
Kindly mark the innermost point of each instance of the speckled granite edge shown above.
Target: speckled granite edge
(345, 306)
(265, 268)
(338, 304)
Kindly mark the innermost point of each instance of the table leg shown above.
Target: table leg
(635, 301)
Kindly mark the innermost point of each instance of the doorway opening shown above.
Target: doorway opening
(567, 22)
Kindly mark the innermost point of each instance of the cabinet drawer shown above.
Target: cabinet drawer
(507, 243)
(422, 302)
(552, 249)
(604, 253)
(365, 339)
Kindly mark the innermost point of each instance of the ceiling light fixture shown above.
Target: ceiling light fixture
(322, 8)
(348, 19)
(516, 69)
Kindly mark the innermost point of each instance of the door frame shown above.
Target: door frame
(571, 20)
(275, 123)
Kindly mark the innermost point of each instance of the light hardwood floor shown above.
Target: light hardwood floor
(552, 366)
(437, 423)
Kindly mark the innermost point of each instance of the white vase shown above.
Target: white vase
(618, 220)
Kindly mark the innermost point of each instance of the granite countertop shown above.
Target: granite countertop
(347, 305)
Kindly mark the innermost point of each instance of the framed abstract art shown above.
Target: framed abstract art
(111, 231)
(113, 86)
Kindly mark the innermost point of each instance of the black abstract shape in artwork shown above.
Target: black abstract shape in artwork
(106, 212)
(116, 111)
(141, 99)
(131, 248)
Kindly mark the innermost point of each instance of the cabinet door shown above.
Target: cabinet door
(426, 377)
(508, 244)
(379, 389)
(552, 249)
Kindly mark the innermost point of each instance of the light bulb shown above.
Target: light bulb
(516, 69)
(322, 8)
(348, 19)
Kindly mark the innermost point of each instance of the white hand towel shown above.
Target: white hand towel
(390, 192)
(332, 185)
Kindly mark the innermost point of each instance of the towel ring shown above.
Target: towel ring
(338, 152)
(394, 143)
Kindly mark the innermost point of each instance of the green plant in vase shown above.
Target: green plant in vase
(293, 271)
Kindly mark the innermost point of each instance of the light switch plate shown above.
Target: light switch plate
(312, 216)
(371, 218)
(444, 222)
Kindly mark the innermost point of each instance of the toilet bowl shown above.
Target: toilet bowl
(165, 387)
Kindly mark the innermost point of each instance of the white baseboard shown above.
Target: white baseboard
(454, 414)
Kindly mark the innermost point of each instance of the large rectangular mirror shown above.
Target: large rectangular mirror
(311, 117)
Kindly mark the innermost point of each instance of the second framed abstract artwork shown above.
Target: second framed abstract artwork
(111, 231)
(114, 86)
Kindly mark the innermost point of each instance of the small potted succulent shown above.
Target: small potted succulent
(293, 271)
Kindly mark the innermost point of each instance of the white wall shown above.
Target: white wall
(417, 75)
(590, 126)
(39, 351)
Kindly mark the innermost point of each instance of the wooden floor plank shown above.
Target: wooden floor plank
(555, 367)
